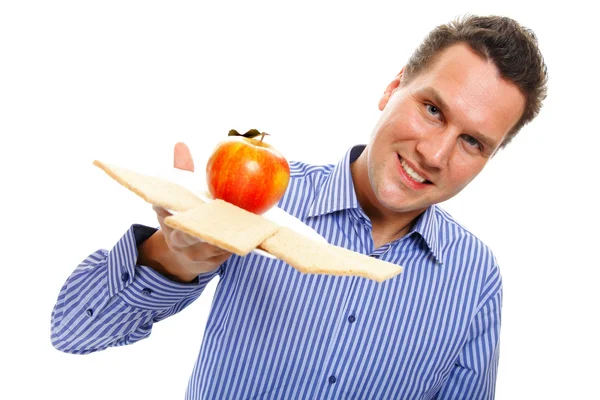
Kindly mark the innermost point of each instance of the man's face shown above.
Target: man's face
(437, 132)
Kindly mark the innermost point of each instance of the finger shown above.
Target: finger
(167, 230)
(182, 157)
(205, 253)
(182, 240)
(214, 251)
(220, 259)
(161, 212)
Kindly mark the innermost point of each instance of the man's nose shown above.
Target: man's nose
(435, 148)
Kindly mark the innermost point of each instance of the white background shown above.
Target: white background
(122, 81)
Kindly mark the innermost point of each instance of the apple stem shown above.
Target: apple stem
(251, 134)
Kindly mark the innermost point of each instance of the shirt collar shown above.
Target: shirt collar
(427, 225)
(337, 193)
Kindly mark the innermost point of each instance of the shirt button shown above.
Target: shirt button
(146, 292)
(351, 318)
(89, 312)
(125, 276)
(332, 379)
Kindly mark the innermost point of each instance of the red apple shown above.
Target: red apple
(247, 172)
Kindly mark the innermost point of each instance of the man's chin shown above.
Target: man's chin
(400, 206)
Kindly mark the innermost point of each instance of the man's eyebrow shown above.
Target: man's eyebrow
(430, 92)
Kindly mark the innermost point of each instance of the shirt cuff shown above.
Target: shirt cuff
(141, 286)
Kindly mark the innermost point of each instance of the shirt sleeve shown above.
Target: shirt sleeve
(108, 300)
(474, 373)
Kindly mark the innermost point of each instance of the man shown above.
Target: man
(274, 333)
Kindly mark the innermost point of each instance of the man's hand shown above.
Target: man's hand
(176, 254)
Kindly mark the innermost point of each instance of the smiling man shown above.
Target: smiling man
(437, 131)
(431, 332)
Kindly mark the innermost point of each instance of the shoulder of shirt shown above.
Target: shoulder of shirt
(457, 233)
(479, 260)
(305, 180)
(299, 169)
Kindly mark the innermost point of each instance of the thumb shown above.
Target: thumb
(182, 157)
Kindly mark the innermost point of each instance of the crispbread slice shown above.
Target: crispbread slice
(154, 190)
(311, 257)
(227, 226)
(224, 225)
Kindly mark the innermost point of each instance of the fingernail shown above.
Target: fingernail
(189, 239)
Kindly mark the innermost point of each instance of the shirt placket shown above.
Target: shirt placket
(333, 375)
(333, 372)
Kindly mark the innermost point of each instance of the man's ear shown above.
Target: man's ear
(389, 90)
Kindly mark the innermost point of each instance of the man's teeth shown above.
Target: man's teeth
(411, 172)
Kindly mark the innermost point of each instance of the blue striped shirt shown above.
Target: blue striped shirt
(431, 332)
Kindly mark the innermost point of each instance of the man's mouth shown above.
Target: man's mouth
(412, 173)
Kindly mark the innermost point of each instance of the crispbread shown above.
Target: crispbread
(311, 257)
(154, 190)
(224, 225)
(227, 226)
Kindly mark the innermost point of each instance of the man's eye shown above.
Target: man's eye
(433, 110)
(471, 141)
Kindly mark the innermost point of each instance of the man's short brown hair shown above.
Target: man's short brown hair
(512, 47)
